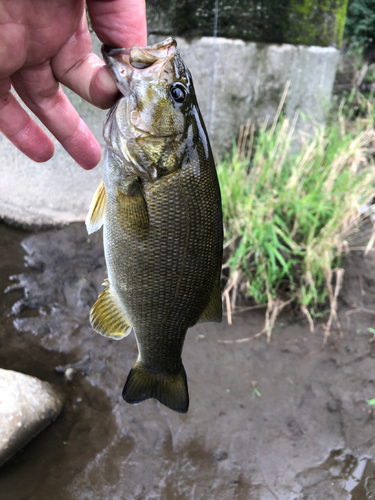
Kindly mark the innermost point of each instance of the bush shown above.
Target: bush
(360, 25)
(287, 216)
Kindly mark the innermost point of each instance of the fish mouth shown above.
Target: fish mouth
(138, 63)
(123, 63)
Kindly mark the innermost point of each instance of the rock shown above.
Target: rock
(27, 406)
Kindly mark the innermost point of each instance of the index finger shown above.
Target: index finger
(119, 23)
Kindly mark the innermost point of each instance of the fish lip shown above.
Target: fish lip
(168, 43)
(112, 51)
(114, 57)
(138, 58)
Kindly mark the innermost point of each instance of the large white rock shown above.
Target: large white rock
(27, 406)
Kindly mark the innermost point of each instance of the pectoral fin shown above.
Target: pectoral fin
(213, 311)
(95, 217)
(134, 209)
(107, 317)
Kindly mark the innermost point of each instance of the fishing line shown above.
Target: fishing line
(213, 71)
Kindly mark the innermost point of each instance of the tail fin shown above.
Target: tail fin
(170, 391)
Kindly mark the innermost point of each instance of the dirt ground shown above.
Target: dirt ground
(282, 421)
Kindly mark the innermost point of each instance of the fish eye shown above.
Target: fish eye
(177, 92)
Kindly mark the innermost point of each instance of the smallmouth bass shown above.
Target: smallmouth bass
(160, 206)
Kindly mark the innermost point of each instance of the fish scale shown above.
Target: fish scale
(161, 210)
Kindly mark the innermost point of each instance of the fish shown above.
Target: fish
(160, 207)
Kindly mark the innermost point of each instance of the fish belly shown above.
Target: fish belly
(164, 276)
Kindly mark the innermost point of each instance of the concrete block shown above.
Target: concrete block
(234, 81)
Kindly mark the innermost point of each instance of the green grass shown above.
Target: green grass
(288, 215)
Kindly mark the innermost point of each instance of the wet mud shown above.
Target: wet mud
(282, 421)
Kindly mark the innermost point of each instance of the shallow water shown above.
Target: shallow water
(280, 421)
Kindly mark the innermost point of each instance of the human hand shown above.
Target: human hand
(44, 42)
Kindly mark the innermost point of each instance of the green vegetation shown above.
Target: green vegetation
(308, 22)
(360, 25)
(288, 214)
(314, 22)
(371, 330)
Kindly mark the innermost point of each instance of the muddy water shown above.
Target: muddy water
(280, 421)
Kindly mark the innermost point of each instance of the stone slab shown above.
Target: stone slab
(27, 406)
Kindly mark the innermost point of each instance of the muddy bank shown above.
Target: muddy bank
(280, 421)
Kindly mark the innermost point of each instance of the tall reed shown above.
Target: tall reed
(288, 215)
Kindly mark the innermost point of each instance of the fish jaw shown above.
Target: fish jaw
(138, 63)
(117, 61)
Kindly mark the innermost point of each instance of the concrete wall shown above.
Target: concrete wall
(55, 192)
(234, 80)
(237, 80)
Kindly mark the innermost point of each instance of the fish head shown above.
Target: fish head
(150, 124)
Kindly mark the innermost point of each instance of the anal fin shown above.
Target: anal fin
(107, 317)
(95, 217)
(213, 311)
